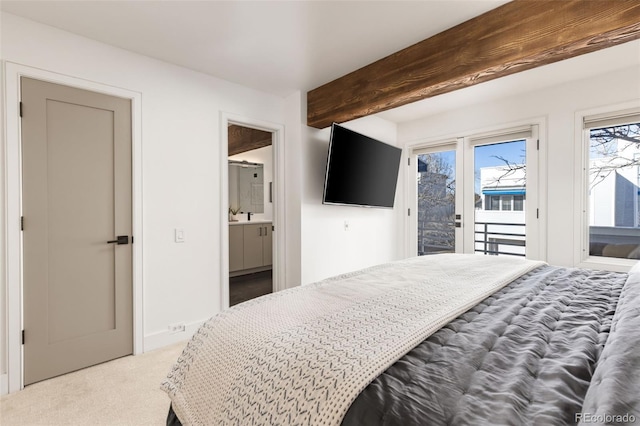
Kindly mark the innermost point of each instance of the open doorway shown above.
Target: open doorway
(251, 212)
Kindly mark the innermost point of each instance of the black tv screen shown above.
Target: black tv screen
(361, 171)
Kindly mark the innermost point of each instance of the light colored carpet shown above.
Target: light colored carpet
(125, 391)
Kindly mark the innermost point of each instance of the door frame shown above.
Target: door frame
(278, 244)
(533, 204)
(464, 155)
(13, 199)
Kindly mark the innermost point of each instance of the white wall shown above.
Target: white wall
(327, 248)
(559, 105)
(181, 178)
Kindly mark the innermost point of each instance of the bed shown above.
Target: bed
(439, 340)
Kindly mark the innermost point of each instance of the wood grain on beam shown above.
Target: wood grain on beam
(517, 36)
(242, 139)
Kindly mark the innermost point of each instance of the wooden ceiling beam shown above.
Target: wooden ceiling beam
(242, 139)
(514, 37)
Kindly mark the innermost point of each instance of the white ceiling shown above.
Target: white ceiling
(283, 46)
(274, 46)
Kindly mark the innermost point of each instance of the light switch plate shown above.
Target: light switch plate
(179, 235)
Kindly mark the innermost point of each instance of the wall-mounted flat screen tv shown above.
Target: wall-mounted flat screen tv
(361, 171)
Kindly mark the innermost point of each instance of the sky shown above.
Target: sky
(512, 151)
(484, 156)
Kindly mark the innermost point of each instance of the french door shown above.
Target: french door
(476, 194)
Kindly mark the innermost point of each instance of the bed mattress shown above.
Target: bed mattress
(556, 346)
(525, 355)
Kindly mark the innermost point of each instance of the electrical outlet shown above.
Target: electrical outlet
(346, 225)
(176, 328)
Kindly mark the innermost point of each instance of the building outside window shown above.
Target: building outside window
(501, 216)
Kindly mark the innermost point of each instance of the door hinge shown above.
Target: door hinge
(538, 145)
(20, 109)
(132, 239)
(408, 212)
(23, 337)
(537, 213)
(273, 228)
(409, 161)
(22, 223)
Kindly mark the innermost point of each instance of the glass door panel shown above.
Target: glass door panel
(500, 177)
(436, 184)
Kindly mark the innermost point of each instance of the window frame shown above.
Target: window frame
(582, 258)
(533, 132)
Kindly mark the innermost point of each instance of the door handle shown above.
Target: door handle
(260, 232)
(120, 239)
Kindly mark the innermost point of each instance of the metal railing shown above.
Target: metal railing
(439, 237)
(435, 237)
(492, 238)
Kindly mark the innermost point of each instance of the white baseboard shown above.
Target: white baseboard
(4, 384)
(250, 271)
(161, 339)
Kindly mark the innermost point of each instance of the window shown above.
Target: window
(518, 203)
(505, 202)
(493, 202)
(613, 185)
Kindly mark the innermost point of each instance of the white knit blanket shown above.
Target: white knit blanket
(301, 356)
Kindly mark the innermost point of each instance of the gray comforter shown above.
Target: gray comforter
(555, 347)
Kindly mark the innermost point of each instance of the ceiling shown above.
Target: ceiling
(274, 46)
(280, 47)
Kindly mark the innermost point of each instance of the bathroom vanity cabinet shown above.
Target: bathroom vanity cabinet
(250, 247)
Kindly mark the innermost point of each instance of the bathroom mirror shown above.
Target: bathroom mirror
(246, 186)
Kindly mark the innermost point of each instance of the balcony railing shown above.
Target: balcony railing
(491, 236)
(436, 237)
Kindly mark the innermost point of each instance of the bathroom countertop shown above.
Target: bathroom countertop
(245, 222)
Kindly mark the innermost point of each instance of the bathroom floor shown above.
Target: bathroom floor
(250, 286)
